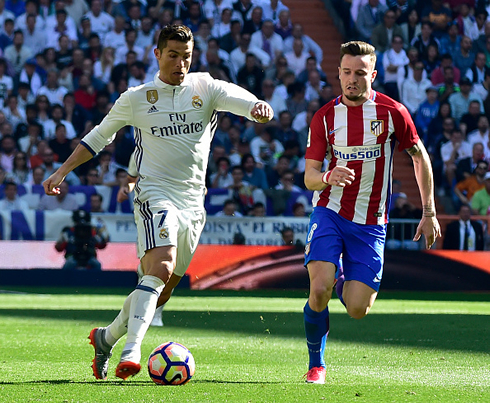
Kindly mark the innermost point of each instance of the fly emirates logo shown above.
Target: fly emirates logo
(177, 126)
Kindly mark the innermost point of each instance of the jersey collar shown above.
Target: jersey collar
(160, 84)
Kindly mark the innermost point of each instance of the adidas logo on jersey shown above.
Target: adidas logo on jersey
(152, 109)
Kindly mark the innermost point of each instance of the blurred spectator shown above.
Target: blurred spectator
(397, 233)
(130, 45)
(465, 233)
(17, 53)
(52, 90)
(56, 119)
(309, 45)
(222, 28)
(101, 108)
(64, 200)
(432, 61)
(460, 101)
(311, 65)
(102, 22)
(255, 22)
(449, 86)
(368, 17)
(422, 41)
(60, 144)
(426, 112)
(13, 113)
(437, 76)
(7, 34)
(257, 210)
(452, 152)
(478, 69)
(60, 27)
(96, 203)
(314, 86)
(6, 82)
(384, 32)
(287, 238)
(286, 182)
(231, 40)
(411, 28)
(275, 172)
(229, 210)
(7, 152)
(480, 202)
(278, 104)
(25, 98)
(267, 40)
(146, 33)
(466, 166)
(284, 131)
(243, 193)
(265, 148)
(242, 10)
(76, 115)
(213, 9)
(451, 42)
(299, 210)
(464, 58)
(84, 33)
(300, 121)
(36, 178)
(252, 174)
(11, 201)
(5, 14)
(272, 9)
(296, 101)
(76, 9)
(414, 89)
(394, 60)
(107, 168)
(222, 178)
(238, 55)
(20, 172)
(239, 239)
(297, 57)
(116, 37)
(28, 143)
(283, 26)
(475, 124)
(482, 91)
(466, 188)
(251, 75)
(92, 177)
(438, 15)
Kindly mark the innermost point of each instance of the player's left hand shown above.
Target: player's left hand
(429, 226)
(262, 112)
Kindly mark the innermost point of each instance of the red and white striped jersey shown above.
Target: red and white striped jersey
(361, 138)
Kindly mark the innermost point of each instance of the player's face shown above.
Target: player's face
(174, 61)
(356, 75)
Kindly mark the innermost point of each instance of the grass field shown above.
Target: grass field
(250, 347)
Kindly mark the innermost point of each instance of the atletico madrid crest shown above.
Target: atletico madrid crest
(152, 96)
(377, 127)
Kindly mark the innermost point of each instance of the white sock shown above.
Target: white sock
(159, 311)
(143, 305)
(119, 326)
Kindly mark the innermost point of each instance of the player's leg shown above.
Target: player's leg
(363, 260)
(316, 315)
(359, 298)
(322, 253)
(158, 264)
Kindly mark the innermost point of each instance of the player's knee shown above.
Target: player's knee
(357, 311)
(320, 294)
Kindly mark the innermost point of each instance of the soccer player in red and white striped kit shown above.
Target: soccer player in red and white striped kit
(357, 133)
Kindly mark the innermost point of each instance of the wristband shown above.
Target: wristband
(326, 177)
(428, 211)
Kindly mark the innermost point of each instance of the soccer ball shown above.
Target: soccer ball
(171, 364)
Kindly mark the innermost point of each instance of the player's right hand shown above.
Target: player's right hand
(341, 176)
(51, 184)
(123, 194)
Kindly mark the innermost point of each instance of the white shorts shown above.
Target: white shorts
(163, 224)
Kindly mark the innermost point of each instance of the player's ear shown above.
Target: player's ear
(157, 53)
(373, 76)
(339, 73)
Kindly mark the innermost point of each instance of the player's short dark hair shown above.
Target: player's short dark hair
(179, 33)
(358, 48)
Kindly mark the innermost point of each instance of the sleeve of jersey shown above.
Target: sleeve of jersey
(232, 98)
(132, 169)
(405, 131)
(316, 147)
(104, 133)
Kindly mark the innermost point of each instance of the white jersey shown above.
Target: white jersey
(173, 129)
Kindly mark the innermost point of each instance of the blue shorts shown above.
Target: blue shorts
(361, 246)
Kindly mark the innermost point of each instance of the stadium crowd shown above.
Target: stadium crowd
(65, 62)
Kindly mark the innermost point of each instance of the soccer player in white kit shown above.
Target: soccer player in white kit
(174, 118)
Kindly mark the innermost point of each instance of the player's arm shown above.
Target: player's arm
(316, 179)
(235, 99)
(429, 226)
(100, 136)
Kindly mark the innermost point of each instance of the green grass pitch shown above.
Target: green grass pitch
(250, 347)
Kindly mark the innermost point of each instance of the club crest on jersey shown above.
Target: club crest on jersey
(152, 96)
(377, 127)
(197, 102)
(163, 233)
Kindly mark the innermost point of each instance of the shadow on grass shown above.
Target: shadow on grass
(133, 383)
(438, 331)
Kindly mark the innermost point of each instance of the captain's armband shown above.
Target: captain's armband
(415, 149)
